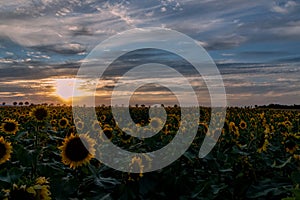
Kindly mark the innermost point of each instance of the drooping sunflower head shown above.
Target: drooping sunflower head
(63, 122)
(41, 180)
(243, 125)
(5, 150)
(253, 122)
(204, 127)
(22, 192)
(108, 131)
(40, 113)
(290, 144)
(125, 138)
(10, 126)
(137, 166)
(77, 150)
(262, 144)
(234, 129)
(42, 192)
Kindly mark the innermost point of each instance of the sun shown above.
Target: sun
(64, 88)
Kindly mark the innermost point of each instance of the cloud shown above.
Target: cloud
(284, 7)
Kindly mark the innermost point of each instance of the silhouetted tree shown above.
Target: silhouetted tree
(15, 103)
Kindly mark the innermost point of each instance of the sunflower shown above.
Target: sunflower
(204, 127)
(96, 125)
(10, 126)
(79, 125)
(77, 150)
(108, 131)
(234, 129)
(42, 188)
(296, 156)
(290, 144)
(243, 125)
(263, 144)
(102, 118)
(5, 150)
(63, 122)
(39, 113)
(53, 122)
(125, 138)
(156, 123)
(136, 165)
(22, 192)
(41, 181)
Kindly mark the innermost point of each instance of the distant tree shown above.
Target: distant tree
(3, 103)
(136, 105)
(15, 103)
(26, 103)
(21, 103)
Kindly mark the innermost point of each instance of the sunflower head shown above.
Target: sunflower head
(108, 131)
(41, 181)
(96, 125)
(253, 122)
(79, 125)
(204, 126)
(137, 166)
(63, 122)
(5, 150)
(125, 138)
(10, 126)
(77, 150)
(102, 118)
(290, 144)
(40, 113)
(263, 144)
(156, 123)
(243, 125)
(22, 192)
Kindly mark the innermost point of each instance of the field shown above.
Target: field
(41, 157)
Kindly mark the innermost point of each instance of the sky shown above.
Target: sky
(255, 45)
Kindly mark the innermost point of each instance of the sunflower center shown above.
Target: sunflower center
(63, 122)
(2, 150)
(75, 150)
(290, 144)
(155, 124)
(125, 136)
(108, 133)
(21, 194)
(40, 114)
(9, 126)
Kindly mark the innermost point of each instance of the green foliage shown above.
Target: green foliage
(237, 168)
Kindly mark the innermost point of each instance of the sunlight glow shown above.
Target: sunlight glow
(64, 88)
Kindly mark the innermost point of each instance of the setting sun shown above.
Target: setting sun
(64, 88)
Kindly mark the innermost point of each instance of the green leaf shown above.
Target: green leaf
(283, 164)
(296, 177)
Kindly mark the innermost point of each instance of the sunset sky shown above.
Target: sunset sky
(255, 44)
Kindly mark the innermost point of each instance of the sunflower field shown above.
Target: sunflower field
(42, 156)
